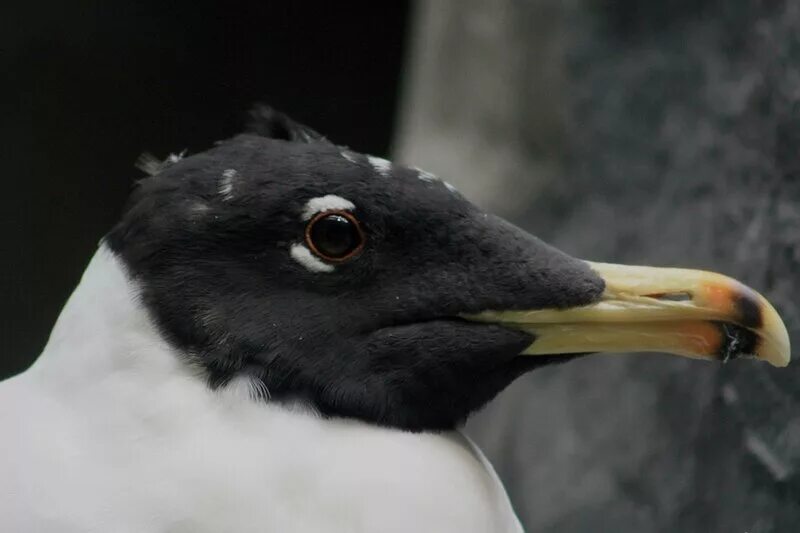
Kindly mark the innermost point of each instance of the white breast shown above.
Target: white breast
(111, 432)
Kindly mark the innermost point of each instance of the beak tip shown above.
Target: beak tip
(776, 348)
(780, 358)
(776, 359)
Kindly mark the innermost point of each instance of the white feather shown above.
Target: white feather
(226, 184)
(424, 175)
(381, 166)
(329, 202)
(349, 156)
(303, 255)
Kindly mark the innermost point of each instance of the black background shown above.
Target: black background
(88, 86)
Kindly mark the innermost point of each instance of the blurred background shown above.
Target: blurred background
(661, 133)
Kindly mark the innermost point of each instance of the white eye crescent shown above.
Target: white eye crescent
(329, 202)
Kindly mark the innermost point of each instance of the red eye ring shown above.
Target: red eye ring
(339, 225)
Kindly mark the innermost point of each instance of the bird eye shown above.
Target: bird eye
(334, 236)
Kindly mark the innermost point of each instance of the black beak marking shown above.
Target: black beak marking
(749, 311)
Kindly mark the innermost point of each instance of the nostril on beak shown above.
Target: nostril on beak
(671, 296)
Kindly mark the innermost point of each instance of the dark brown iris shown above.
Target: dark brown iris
(335, 236)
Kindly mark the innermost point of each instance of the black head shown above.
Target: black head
(338, 278)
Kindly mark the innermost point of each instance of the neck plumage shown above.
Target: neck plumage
(104, 336)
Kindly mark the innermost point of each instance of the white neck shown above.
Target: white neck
(104, 333)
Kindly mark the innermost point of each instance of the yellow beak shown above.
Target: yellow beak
(646, 309)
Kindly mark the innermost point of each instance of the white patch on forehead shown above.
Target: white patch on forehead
(329, 202)
(226, 183)
(303, 255)
(349, 156)
(450, 187)
(381, 166)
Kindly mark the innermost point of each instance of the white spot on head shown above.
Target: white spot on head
(329, 202)
(381, 166)
(349, 156)
(424, 175)
(150, 165)
(226, 183)
(174, 158)
(303, 255)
